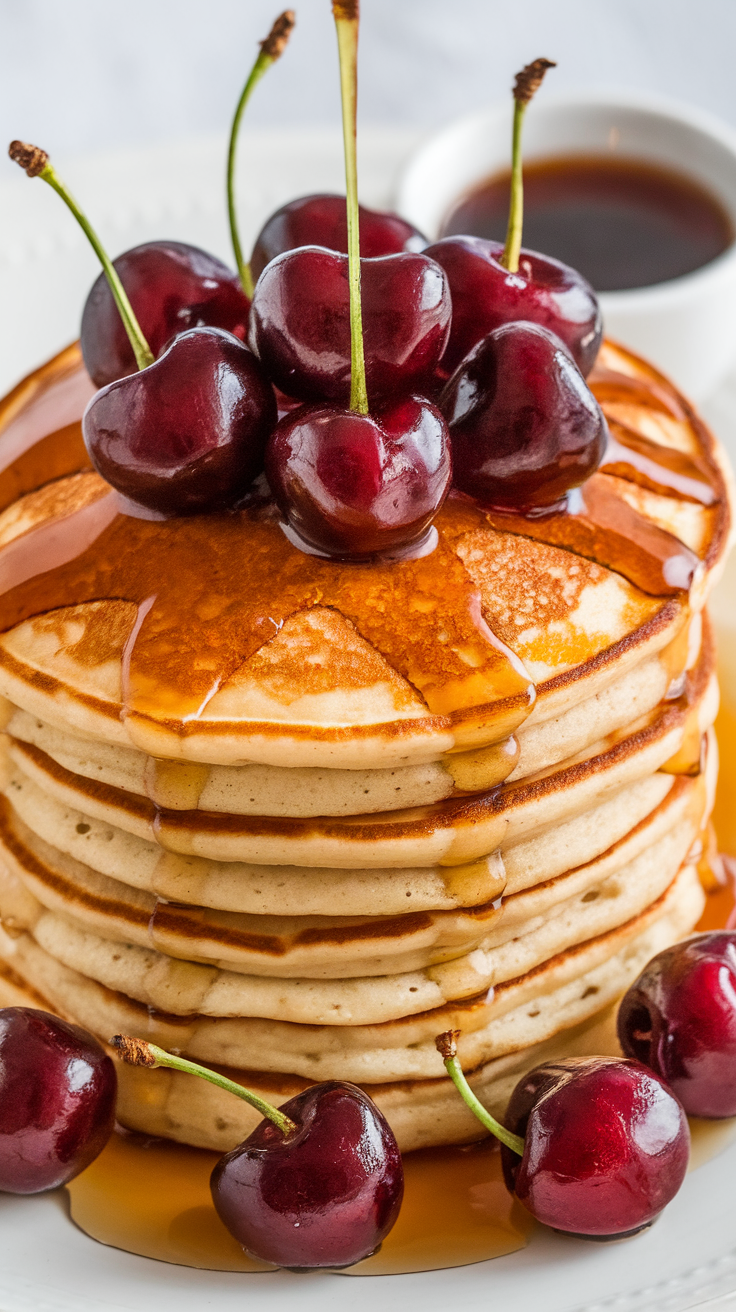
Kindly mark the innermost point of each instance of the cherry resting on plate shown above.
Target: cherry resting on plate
(324, 1196)
(321, 220)
(188, 432)
(353, 485)
(318, 1183)
(57, 1100)
(300, 324)
(679, 1019)
(606, 1145)
(172, 287)
(544, 291)
(524, 426)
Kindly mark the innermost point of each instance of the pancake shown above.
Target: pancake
(275, 791)
(450, 833)
(289, 814)
(265, 890)
(601, 895)
(578, 987)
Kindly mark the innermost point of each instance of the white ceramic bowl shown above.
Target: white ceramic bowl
(686, 326)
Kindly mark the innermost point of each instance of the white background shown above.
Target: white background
(80, 75)
(133, 98)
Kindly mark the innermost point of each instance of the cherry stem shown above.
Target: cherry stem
(37, 165)
(447, 1047)
(526, 84)
(346, 15)
(270, 50)
(137, 1052)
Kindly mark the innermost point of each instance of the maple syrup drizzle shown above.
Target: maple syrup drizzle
(41, 428)
(174, 663)
(659, 469)
(597, 524)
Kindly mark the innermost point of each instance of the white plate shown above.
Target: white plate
(688, 1258)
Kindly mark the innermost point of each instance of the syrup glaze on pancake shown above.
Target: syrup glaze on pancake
(40, 426)
(423, 616)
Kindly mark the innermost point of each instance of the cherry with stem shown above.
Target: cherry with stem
(493, 284)
(318, 1183)
(352, 484)
(577, 1147)
(186, 432)
(526, 84)
(36, 164)
(270, 50)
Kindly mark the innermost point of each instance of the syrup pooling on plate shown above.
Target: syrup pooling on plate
(448, 653)
(151, 1196)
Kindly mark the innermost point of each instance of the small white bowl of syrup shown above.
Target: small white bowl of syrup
(636, 191)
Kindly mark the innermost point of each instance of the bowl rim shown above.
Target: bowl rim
(650, 104)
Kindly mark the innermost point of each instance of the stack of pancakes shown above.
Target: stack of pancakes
(293, 819)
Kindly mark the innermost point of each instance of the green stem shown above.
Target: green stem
(512, 248)
(446, 1046)
(262, 63)
(143, 354)
(526, 85)
(346, 24)
(140, 1053)
(271, 50)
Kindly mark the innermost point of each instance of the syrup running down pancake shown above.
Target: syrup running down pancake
(295, 817)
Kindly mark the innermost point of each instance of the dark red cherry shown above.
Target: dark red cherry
(544, 291)
(606, 1145)
(322, 221)
(324, 1196)
(524, 426)
(351, 485)
(679, 1019)
(57, 1100)
(172, 287)
(187, 433)
(300, 324)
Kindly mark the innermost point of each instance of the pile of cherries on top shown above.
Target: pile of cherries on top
(593, 1146)
(468, 369)
(398, 368)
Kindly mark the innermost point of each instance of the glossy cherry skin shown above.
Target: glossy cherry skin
(544, 291)
(327, 1195)
(352, 486)
(187, 433)
(300, 324)
(321, 220)
(57, 1100)
(679, 1019)
(524, 425)
(172, 287)
(606, 1145)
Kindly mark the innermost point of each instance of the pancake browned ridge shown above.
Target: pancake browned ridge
(294, 817)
